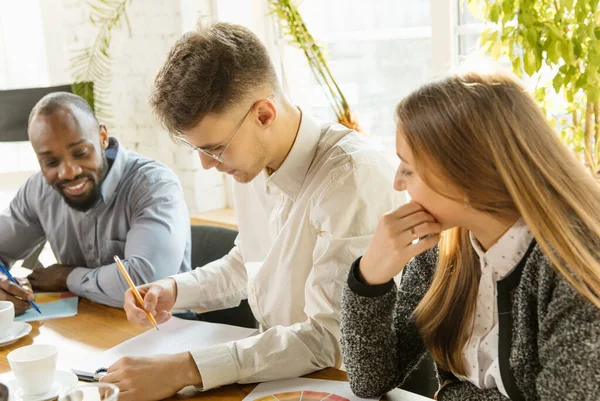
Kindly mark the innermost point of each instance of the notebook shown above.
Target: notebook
(53, 305)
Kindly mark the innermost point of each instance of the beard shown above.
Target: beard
(95, 193)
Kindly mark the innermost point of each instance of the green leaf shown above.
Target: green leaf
(532, 37)
(567, 5)
(496, 50)
(494, 13)
(581, 81)
(555, 31)
(557, 82)
(553, 51)
(508, 6)
(530, 62)
(525, 18)
(577, 48)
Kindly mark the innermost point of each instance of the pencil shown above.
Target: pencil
(136, 293)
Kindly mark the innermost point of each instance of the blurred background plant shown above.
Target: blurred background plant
(91, 66)
(557, 43)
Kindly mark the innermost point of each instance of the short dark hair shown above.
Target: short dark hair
(209, 71)
(54, 101)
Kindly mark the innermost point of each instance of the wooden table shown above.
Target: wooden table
(219, 217)
(97, 328)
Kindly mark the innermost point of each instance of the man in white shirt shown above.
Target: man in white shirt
(307, 197)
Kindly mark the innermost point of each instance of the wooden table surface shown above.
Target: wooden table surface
(97, 328)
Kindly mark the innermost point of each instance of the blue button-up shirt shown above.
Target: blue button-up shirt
(141, 217)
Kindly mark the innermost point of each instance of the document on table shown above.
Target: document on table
(53, 305)
(317, 390)
(176, 335)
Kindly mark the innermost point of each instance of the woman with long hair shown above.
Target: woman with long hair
(499, 254)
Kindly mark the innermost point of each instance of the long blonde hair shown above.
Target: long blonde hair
(488, 137)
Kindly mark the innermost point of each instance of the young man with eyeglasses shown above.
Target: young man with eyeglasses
(307, 197)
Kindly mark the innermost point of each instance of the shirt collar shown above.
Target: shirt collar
(508, 251)
(119, 156)
(290, 176)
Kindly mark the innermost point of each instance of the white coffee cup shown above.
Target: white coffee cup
(34, 367)
(7, 316)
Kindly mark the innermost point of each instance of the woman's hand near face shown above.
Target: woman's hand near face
(392, 245)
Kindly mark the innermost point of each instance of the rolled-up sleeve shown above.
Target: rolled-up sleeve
(155, 245)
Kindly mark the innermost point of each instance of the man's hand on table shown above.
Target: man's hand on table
(153, 378)
(19, 296)
(50, 279)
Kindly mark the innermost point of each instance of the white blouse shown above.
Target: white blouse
(480, 354)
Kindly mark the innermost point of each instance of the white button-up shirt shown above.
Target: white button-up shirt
(300, 229)
(480, 354)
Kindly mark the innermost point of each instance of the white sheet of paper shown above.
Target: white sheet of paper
(176, 335)
(317, 390)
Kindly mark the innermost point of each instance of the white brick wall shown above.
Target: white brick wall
(155, 26)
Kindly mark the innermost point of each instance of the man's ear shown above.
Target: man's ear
(103, 137)
(267, 112)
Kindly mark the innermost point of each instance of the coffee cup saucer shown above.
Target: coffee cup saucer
(63, 381)
(19, 329)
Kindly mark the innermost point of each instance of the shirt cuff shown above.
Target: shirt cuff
(359, 287)
(187, 290)
(75, 280)
(216, 366)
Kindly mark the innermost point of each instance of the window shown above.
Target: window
(467, 30)
(378, 52)
(22, 65)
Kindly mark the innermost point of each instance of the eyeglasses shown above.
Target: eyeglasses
(219, 157)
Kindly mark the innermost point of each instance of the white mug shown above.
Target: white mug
(34, 367)
(7, 316)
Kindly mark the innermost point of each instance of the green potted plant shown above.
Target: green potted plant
(556, 42)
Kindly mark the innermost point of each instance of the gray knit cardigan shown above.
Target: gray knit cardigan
(549, 335)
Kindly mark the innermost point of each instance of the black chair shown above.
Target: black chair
(210, 243)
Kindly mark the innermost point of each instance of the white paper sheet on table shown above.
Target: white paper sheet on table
(317, 390)
(176, 335)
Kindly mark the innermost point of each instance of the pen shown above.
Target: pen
(11, 278)
(135, 291)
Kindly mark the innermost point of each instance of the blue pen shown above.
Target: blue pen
(11, 278)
